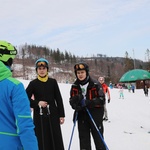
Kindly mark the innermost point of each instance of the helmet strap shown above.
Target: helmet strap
(9, 62)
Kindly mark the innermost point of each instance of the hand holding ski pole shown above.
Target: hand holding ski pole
(42, 104)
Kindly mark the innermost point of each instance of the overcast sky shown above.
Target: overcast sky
(82, 27)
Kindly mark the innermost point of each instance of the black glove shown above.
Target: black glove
(108, 100)
(75, 101)
(92, 103)
(102, 100)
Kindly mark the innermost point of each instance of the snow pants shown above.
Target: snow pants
(86, 128)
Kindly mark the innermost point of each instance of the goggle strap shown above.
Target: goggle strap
(5, 51)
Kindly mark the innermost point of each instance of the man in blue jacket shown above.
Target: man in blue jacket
(16, 124)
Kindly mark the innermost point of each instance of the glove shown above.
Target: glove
(83, 104)
(102, 100)
(95, 101)
(108, 100)
(75, 100)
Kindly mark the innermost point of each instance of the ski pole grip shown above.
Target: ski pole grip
(41, 113)
(48, 110)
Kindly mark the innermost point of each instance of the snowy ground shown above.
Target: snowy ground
(129, 121)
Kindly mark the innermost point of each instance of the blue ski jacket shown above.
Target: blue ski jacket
(16, 124)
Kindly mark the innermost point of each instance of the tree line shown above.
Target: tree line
(112, 68)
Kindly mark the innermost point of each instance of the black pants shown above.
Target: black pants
(86, 128)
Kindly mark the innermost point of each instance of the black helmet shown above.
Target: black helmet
(81, 66)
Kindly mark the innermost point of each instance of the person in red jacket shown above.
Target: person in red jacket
(107, 92)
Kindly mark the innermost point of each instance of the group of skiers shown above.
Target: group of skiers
(87, 98)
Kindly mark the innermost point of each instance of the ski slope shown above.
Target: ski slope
(129, 121)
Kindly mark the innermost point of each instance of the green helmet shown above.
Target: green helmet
(7, 51)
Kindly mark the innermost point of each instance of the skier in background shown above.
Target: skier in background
(46, 93)
(133, 88)
(86, 93)
(129, 87)
(107, 93)
(146, 90)
(110, 85)
(121, 95)
(16, 126)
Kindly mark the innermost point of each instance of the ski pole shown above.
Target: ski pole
(73, 129)
(41, 114)
(48, 113)
(96, 128)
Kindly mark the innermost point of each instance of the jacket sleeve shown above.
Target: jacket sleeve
(100, 99)
(24, 122)
(59, 99)
(108, 93)
(29, 91)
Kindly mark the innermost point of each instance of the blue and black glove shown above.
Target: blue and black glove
(83, 103)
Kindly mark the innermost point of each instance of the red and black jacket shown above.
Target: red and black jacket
(94, 93)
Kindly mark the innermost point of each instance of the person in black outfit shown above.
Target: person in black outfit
(87, 93)
(146, 90)
(46, 93)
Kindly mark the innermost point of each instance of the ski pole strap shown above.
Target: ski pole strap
(41, 112)
(96, 128)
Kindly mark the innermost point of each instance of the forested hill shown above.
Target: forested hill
(61, 64)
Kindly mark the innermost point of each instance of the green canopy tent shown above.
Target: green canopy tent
(135, 75)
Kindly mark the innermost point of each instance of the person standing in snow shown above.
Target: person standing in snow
(110, 85)
(146, 90)
(121, 95)
(129, 87)
(16, 126)
(47, 97)
(133, 88)
(107, 92)
(87, 93)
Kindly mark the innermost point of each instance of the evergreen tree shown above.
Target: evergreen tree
(129, 65)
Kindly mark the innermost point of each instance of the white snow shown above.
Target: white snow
(129, 121)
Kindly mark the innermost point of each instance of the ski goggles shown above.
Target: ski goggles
(41, 63)
(79, 67)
